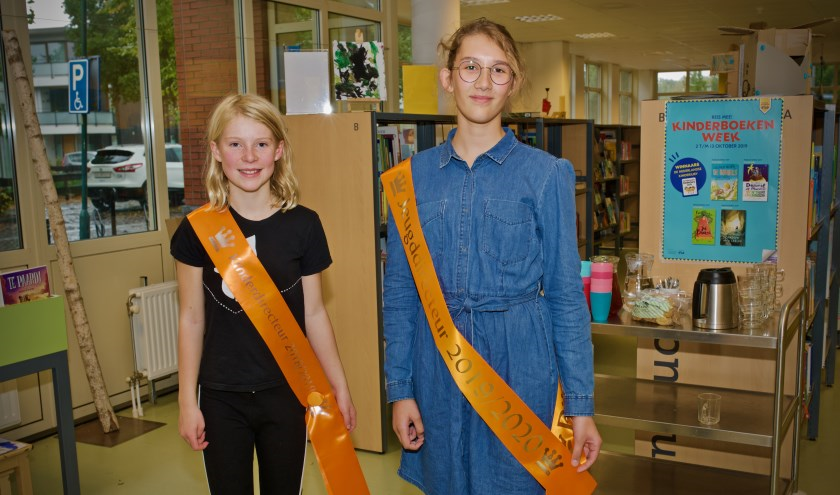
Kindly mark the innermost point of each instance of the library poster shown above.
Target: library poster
(722, 160)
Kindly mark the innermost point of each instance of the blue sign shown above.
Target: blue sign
(78, 86)
(722, 171)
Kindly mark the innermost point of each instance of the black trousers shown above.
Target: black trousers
(272, 422)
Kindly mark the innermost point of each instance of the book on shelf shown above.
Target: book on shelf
(609, 146)
(814, 186)
(597, 173)
(387, 144)
(626, 150)
(26, 285)
(596, 194)
(607, 169)
(623, 222)
(609, 204)
(623, 185)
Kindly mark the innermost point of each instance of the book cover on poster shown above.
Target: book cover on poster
(21, 286)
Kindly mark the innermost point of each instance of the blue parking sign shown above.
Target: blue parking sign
(78, 86)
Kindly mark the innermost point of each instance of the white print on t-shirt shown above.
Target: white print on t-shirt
(252, 241)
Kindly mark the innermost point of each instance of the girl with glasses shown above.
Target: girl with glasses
(499, 220)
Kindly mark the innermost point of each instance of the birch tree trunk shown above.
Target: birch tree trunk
(59, 233)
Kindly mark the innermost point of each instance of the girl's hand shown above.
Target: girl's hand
(587, 442)
(348, 411)
(191, 427)
(408, 425)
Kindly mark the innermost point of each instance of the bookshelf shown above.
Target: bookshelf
(820, 278)
(616, 171)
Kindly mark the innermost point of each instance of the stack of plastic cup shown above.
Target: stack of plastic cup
(601, 290)
(586, 275)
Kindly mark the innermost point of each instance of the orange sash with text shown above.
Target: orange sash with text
(530, 441)
(267, 310)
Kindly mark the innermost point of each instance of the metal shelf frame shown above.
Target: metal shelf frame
(663, 407)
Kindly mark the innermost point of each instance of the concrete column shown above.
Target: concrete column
(432, 21)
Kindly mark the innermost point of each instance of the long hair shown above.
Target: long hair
(283, 183)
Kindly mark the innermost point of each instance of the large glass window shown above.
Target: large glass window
(10, 237)
(592, 91)
(118, 193)
(346, 28)
(625, 97)
(685, 83)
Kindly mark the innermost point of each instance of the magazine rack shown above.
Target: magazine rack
(34, 337)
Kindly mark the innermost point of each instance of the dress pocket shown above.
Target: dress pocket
(507, 231)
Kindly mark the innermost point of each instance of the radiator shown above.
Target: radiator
(153, 313)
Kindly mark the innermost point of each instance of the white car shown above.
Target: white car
(121, 170)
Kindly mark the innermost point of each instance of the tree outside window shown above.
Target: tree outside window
(685, 83)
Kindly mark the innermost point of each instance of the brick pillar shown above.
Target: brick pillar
(205, 54)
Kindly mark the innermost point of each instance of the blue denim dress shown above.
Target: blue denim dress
(503, 241)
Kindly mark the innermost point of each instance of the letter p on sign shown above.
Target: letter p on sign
(78, 88)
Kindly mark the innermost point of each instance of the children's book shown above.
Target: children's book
(755, 181)
(703, 226)
(25, 285)
(724, 182)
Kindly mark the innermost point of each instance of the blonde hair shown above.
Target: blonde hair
(497, 33)
(283, 183)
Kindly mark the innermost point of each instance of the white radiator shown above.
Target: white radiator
(153, 311)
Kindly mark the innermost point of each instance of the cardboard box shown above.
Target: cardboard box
(776, 62)
(727, 66)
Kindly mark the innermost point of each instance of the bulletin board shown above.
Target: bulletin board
(721, 183)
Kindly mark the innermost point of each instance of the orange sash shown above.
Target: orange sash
(520, 430)
(265, 306)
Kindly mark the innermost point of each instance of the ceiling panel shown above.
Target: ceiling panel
(660, 34)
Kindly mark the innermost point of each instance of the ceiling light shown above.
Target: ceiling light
(538, 18)
(589, 36)
(472, 3)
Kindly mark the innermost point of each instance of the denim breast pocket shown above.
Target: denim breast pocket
(431, 221)
(507, 230)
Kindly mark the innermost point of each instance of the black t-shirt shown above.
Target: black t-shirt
(289, 245)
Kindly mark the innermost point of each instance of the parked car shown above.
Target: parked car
(121, 170)
(74, 158)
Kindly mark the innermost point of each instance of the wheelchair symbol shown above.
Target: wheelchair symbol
(77, 102)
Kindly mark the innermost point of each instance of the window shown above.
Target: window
(826, 85)
(10, 236)
(592, 91)
(119, 198)
(288, 27)
(367, 4)
(685, 83)
(625, 97)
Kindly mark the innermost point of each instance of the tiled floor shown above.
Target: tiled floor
(160, 463)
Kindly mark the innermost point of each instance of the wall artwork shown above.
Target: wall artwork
(359, 70)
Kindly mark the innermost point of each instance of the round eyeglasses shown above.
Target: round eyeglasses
(470, 71)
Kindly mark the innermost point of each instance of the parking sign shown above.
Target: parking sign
(78, 87)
